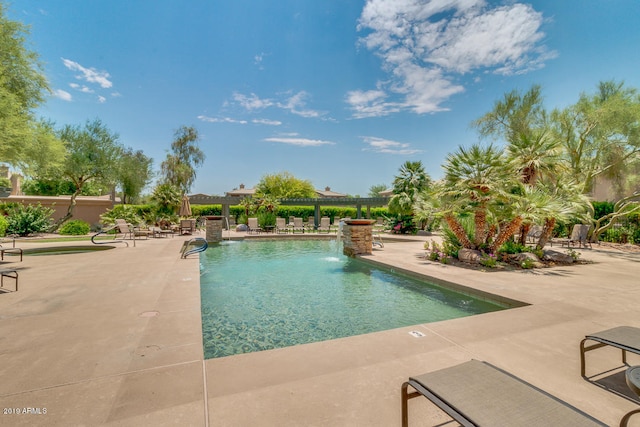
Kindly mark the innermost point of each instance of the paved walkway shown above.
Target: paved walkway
(114, 338)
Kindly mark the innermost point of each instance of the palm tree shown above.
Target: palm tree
(411, 180)
(476, 176)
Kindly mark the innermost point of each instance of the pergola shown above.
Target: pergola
(358, 202)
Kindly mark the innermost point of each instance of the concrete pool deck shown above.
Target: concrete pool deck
(114, 338)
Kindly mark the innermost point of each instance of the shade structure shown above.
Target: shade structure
(185, 206)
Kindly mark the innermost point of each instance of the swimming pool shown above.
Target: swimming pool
(263, 295)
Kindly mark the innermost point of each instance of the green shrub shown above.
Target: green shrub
(5, 182)
(25, 220)
(4, 223)
(130, 213)
(511, 247)
(266, 219)
(75, 227)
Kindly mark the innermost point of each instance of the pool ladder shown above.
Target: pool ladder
(104, 231)
(200, 245)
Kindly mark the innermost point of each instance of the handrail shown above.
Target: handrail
(201, 248)
(108, 241)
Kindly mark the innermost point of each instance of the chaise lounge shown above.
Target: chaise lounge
(477, 393)
(625, 338)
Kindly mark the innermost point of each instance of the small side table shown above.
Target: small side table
(632, 376)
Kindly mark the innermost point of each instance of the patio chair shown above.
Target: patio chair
(625, 338)
(281, 225)
(477, 393)
(298, 225)
(12, 274)
(325, 225)
(187, 226)
(11, 250)
(579, 236)
(534, 234)
(253, 225)
(126, 229)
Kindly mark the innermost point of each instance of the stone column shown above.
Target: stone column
(214, 228)
(357, 235)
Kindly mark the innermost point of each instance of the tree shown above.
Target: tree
(44, 153)
(375, 190)
(600, 133)
(284, 185)
(22, 88)
(93, 153)
(178, 168)
(134, 173)
(411, 181)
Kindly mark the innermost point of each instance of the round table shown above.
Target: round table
(632, 376)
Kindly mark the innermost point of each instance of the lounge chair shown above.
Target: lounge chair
(477, 393)
(325, 224)
(126, 229)
(253, 225)
(187, 226)
(626, 338)
(13, 274)
(11, 250)
(281, 225)
(579, 237)
(534, 234)
(298, 225)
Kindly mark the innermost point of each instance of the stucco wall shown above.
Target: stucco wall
(87, 209)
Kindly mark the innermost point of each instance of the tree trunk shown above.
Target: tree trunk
(480, 220)
(506, 233)
(459, 232)
(69, 214)
(524, 230)
(549, 224)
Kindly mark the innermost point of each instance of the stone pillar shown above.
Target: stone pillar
(357, 235)
(214, 228)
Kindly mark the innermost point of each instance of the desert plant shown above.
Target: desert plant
(76, 227)
(25, 220)
(4, 223)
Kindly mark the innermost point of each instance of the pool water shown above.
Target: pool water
(264, 295)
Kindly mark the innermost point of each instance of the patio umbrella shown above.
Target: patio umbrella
(185, 207)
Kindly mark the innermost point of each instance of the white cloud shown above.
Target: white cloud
(252, 102)
(90, 75)
(296, 103)
(62, 94)
(221, 120)
(381, 145)
(300, 142)
(426, 45)
(266, 122)
(102, 99)
(258, 60)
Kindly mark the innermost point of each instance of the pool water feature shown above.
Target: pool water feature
(264, 295)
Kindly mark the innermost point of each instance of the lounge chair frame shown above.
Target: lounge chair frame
(13, 274)
(625, 338)
(477, 393)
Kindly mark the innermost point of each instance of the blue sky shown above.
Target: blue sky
(339, 92)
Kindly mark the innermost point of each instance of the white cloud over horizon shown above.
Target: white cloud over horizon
(427, 46)
(386, 146)
(221, 120)
(295, 103)
(300, 142)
